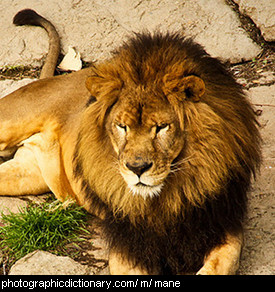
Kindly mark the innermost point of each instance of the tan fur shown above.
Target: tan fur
(224, 259)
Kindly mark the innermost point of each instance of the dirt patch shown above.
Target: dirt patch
(19, 72)
(91, 251)
(259, 71)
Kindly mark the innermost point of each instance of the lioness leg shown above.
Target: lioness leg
(224, 259)
(21, 175)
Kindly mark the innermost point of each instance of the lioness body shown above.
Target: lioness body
(52, 112)
(159, 142)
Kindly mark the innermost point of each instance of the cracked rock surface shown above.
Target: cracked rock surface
(262, 13)
(97, 27)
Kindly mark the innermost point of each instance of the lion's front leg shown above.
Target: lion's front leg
(223, 259)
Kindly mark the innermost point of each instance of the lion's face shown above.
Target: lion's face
(146, 137)
(144, 123)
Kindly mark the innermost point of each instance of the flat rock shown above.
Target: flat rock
(97, 27)
(212, 23)
(11, 205)
(45, 263)
(263, 98)
(258, 256)
(15, 204)
(263, 15)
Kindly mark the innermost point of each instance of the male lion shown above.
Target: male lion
(159, 141)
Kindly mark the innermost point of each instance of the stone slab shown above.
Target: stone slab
(263, 15)
(11, 205)
(45, 263)
(96, 27)
(258, 257)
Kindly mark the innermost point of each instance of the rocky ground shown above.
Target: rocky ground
(240, 32)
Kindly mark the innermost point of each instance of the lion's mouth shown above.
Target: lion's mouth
(144, 185)
(140, 184)
(145, 190)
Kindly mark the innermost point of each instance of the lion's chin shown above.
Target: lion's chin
(146, 191)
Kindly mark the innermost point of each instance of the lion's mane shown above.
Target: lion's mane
(173, 231)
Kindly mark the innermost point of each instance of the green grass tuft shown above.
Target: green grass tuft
(43, 227)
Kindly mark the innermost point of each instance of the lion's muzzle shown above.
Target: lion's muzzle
(139, 178)
(139, 167)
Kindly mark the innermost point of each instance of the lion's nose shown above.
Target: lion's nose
(139, 167)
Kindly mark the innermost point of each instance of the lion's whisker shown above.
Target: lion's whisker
(182, 161)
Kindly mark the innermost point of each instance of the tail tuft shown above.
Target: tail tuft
(27, 17)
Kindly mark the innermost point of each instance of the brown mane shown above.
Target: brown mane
(222, 150)
(222, 137)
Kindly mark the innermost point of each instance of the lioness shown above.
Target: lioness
(159, 141)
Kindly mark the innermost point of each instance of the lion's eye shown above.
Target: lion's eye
(160, 127)
(121, 127)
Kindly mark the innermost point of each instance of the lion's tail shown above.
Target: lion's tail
(30, 17)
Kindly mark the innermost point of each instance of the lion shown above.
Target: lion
(159, 142)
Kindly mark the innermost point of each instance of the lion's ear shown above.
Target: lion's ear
(186, 88)
(105, 89)
(93, 85)
(101, 86)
